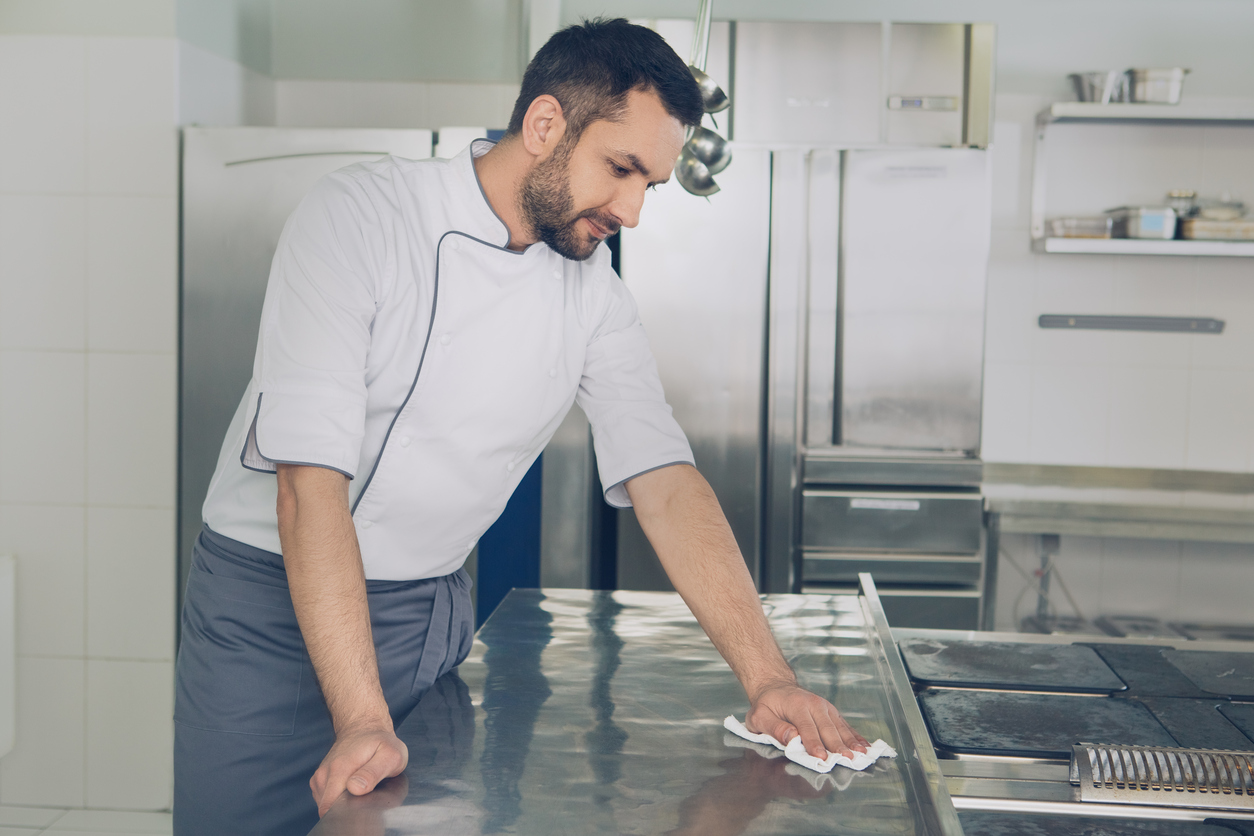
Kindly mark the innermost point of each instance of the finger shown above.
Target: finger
(835, 739)
(384, 763)
(331, 790)
(847, 731)
(810, 737)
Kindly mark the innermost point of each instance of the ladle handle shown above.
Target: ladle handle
(701, 37)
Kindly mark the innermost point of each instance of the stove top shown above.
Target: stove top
(1241, 715)
(983, 823)
(1224, 674)
(1146, 671)
(1199, 724)
(1034, 725)
(1036, 667)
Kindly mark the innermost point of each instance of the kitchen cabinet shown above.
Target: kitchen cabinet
(1142, 115)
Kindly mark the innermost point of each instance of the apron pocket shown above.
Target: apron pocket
(240, 658)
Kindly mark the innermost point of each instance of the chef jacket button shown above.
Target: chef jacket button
(445, 339)
(366, 523)
(455, 243)
(470, 546)
(510, 467)
(552, 372)
(404, 441)
(557, 274)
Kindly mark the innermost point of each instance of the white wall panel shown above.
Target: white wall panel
(43, 97)
(48, 542)
(43, 271)
(132, 248)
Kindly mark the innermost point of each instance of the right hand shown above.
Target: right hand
(358, 761)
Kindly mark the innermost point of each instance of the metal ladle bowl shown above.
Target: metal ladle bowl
(709, 148)
(693, 175)
(712, 96)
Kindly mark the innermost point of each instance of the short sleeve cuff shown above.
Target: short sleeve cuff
(306, 429)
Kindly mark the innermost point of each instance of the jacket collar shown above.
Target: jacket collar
(487, 224)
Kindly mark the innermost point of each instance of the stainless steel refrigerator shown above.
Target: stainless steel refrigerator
(819, 322)
(239, 185)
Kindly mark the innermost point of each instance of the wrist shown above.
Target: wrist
(758, 687)
(370, 719)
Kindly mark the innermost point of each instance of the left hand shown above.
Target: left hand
(784, 711)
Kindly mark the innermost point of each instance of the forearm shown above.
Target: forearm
(328, 586)
(686, 527)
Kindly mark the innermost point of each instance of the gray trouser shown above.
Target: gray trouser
(251, 725)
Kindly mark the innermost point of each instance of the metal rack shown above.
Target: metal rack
(1145, 114)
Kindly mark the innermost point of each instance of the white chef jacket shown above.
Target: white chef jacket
(403, 345)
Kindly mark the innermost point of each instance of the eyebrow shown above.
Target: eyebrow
(639, 166)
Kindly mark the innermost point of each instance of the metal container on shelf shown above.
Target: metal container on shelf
(1202, 229)
(1104, 86)
(1100, 226)
(1154, 222)
(1157, 86)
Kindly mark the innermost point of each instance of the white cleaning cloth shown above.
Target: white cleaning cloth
(796, 752)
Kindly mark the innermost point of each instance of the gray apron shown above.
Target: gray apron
(251, 725)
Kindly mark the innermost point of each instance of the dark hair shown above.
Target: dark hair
(590, 67)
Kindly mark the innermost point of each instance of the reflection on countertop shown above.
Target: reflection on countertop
(601, 712)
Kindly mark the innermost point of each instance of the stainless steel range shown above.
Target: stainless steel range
(1110, 736)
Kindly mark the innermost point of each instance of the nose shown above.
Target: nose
(627, 204)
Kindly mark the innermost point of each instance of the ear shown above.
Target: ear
(543, 126)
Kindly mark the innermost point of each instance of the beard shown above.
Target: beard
(546, 205)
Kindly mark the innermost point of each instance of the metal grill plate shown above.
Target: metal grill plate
(1199, 778)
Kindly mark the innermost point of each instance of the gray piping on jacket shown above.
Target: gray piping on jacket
(641, 473)
(252, 433)
(422, 358)
(479, 183)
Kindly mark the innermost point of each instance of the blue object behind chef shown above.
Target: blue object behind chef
(509, 551)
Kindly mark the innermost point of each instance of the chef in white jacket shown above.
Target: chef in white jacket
(427, 325)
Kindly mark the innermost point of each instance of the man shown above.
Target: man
(427, 325)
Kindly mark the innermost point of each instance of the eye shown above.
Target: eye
(619, 171)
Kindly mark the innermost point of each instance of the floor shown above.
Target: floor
(54, 821)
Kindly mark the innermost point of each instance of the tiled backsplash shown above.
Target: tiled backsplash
(1164, 579)
(88, 319)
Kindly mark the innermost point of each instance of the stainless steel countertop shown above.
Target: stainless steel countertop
(601, 712)
(1121, 502)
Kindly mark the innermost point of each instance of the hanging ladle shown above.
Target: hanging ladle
(712, 96)
(705, 153)
(693, 175)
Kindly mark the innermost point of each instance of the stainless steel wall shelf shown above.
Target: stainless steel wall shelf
(1238, 114)
(1138, 246)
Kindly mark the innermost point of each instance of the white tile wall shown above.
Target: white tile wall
(88, 318)
(49, 541)
(43, 271)
(131, 420)
(130, 734)
(43, 96)
(1221, 420)
(130, 577)
(46, 764)
(1164, 579)
(131, 107)
(1108, 398)
(132, 247)
(42, 426)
